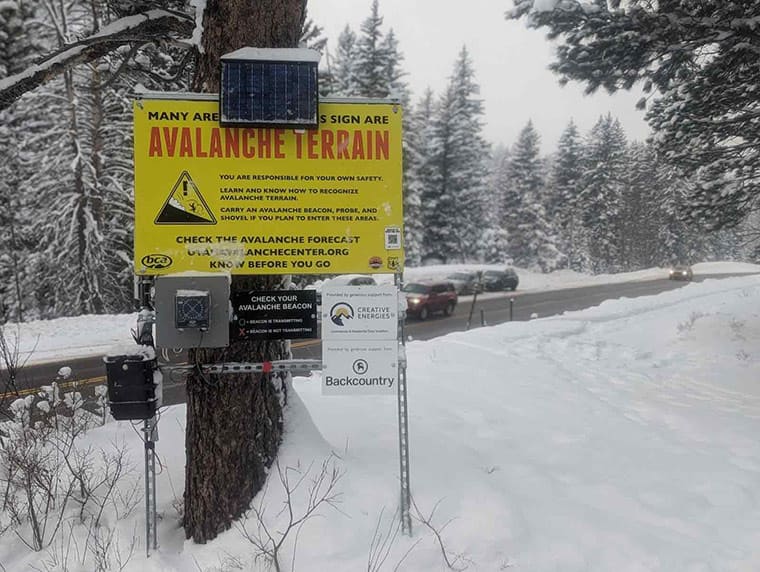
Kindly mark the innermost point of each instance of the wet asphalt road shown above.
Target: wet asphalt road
(491, 308)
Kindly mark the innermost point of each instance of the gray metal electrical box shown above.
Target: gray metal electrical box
(192, 311)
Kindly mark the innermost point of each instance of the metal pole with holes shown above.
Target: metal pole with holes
(403, 427)
(151, 535)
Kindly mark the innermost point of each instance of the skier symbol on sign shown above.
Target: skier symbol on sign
(185, 205)
(360, 366)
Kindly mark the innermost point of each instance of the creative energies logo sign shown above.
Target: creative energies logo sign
(341, 311)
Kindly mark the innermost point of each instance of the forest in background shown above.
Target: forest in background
(596, 203)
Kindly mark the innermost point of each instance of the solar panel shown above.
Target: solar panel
(270, 88)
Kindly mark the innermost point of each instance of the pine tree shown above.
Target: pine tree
(312, 37)
(677, 240)
(698, 62)
(20, 42)
(14, 243)
(82, 256)
(393, 72)
(456, 199)
(639, 212)
(494, 242)
(368, 64)
(531, 241)
(419, 180)
(342, 66)
(600, 199)
(372, 60)
(562, 204)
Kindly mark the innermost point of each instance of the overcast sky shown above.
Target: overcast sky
(510, 64)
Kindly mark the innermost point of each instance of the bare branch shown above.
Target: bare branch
(381, 543)
(145, 27)
(268, 539)
(456, 562)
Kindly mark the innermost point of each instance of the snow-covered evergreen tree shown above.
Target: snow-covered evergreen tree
(79, 126)
(494, 241)
(640, 209)
(455, 202)
(312, 36)
(20, 41)
(562, 198)
(531, 240)
(698, 60)
(372, 59)
(343, 66)
(14, 228)
(418, 147)
(677, 239)
(394, 72)
(601, 192)
(82, 263)
(367, 64)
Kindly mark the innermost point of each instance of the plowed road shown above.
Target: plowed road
(495, 310)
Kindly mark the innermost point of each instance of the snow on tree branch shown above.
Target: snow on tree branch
(145, 27)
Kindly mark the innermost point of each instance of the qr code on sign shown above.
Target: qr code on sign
(392, 238)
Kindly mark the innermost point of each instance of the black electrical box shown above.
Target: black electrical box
(131, 386)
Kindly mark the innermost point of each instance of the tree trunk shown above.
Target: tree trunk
(234, 422)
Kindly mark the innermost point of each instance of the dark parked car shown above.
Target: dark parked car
(681, 273)
(498, 280)
(425, 298)
(465, 282)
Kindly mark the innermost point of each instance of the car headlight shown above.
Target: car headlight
(414, 300)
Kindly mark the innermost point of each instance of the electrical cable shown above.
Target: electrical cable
(198, 367)
(134, 428)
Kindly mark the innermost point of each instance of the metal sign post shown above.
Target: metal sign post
(150, 430)
(403, 428)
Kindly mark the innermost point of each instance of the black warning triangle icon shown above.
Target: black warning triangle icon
(185, 205)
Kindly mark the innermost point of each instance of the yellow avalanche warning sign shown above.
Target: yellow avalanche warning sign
(267, 200)
(185, 205)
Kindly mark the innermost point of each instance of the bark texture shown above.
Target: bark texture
(234, 24)
(234, 423)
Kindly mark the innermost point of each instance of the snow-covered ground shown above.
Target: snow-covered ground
(619, 438)
(48, 340)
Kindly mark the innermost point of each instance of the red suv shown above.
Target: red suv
(424, 298)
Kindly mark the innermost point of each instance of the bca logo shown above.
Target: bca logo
(156, 261)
